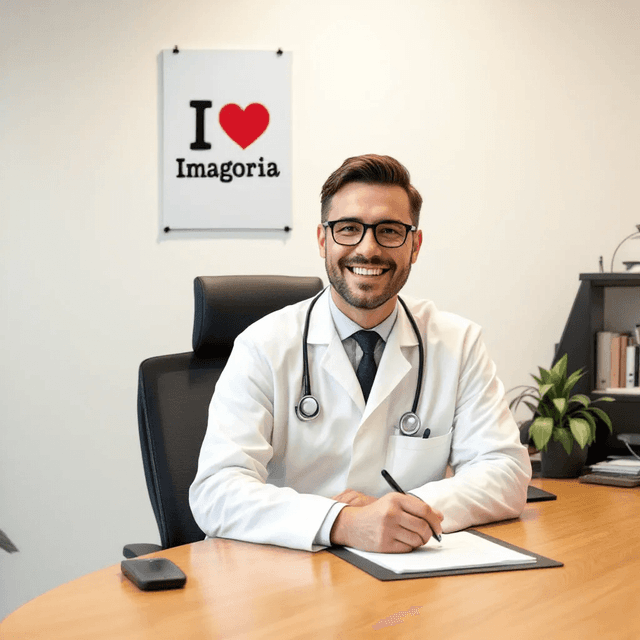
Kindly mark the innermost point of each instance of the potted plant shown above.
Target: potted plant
(563, 425)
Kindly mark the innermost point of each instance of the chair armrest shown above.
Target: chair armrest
(139, 549)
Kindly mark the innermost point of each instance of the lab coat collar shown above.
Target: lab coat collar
(323, 331)
(394, 363)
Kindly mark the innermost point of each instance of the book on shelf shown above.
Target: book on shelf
(622, 360)
(614, 374)
(617, 361)
(603, 359)
(633, 362)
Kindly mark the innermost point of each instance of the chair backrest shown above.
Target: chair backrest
(174, 391)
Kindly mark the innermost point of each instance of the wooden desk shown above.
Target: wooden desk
(239, 590)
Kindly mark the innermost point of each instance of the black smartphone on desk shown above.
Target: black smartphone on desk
(153, 574)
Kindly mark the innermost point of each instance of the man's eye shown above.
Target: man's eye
(348, 228)
(390, 231)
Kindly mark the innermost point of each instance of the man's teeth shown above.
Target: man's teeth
(360, 271)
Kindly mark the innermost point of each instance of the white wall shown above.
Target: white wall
(517, 119)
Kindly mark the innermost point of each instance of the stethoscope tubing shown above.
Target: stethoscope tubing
(306, 380)
(416, 398)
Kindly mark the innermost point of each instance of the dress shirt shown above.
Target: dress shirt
(346, 327)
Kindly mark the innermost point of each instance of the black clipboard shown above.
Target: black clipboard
(539, 495)
(382, 573)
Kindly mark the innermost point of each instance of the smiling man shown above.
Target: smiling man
(366, 270)
(397, 385)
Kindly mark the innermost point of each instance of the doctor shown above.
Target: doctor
(268, 474)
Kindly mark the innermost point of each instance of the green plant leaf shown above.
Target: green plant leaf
(580, 430)
(560, 367)
(561, 405)
(546, 411)
(534, 407)
(557, 381)
(545, 407)
(571, 382)
(545, 376)
(515, 403)
(544, 389)
(605, 399)
(603, 416)
(592, 423)
(540, 431)
(565, 438)
(581, 398)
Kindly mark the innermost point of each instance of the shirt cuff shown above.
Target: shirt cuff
(323, 537)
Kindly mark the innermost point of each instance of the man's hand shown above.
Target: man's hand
(354, 498)
(395, 523)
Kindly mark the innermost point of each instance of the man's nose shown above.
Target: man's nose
(369, 245)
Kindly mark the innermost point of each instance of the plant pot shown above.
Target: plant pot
(555, 463)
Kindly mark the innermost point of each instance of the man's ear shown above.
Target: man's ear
(322, 236)
(417, 243)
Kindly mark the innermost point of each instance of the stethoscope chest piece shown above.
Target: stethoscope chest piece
(308, 408)
(409, 423)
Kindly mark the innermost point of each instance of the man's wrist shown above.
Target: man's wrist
(340, 530)
(323, 537)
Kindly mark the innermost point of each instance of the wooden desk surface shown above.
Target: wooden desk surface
(239, 590)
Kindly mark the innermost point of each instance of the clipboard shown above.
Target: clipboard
(381, 573)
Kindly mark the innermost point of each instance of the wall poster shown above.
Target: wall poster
(226, 147)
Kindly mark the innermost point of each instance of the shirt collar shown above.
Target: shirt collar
(346, 327)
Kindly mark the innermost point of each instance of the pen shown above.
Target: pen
(396, 487)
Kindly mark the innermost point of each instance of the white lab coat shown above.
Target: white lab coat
(264, 476)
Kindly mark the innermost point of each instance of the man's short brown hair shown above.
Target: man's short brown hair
(370, 169)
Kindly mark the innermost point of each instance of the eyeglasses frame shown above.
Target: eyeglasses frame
(331, 224)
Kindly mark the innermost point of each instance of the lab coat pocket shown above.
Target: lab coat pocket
(415, 461)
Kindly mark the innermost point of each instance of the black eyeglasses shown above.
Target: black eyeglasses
(387, 233)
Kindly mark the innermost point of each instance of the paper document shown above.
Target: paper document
(626, 466)
(459, 550)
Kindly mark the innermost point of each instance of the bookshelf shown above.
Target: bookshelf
(604, 302)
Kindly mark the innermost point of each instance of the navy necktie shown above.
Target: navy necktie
(367, 367)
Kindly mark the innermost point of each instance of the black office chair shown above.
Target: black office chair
(174, 392)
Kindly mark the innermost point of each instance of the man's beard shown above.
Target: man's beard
(364, 301)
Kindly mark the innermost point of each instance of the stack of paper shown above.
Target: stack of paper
(461, 550)
(618, 466)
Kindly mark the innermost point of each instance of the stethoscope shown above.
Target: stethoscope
(308, 407)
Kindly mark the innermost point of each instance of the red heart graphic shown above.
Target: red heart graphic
(244, 126)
